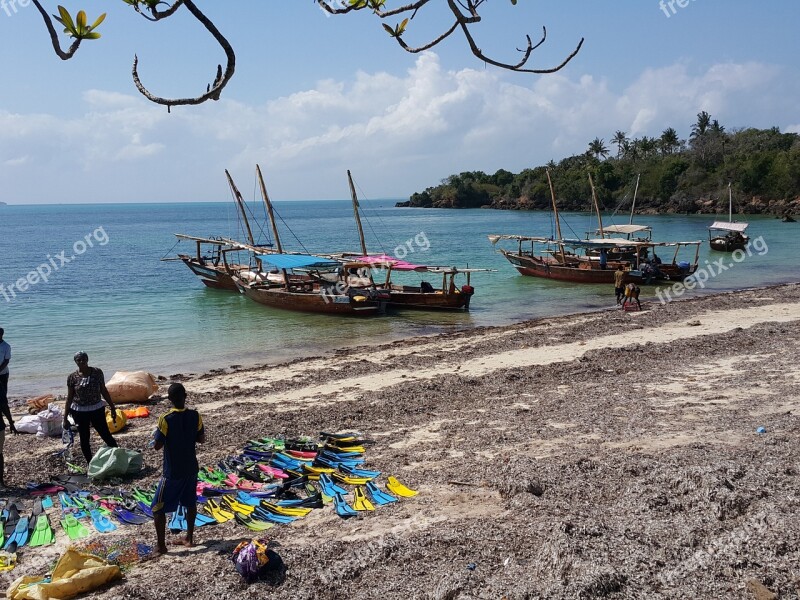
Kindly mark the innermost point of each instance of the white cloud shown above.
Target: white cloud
(398, 133)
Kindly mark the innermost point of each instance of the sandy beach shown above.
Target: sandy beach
(599, 455)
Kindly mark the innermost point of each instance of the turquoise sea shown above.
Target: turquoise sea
(116, 299)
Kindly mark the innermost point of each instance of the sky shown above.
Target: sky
(315, 95)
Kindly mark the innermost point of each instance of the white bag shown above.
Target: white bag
(51, 421)
(27, 424)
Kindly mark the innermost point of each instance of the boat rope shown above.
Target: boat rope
(171, 249)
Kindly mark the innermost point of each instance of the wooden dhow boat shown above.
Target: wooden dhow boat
(727, 236)
(596, 260)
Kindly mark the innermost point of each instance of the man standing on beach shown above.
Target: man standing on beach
(619, 283)
(5, 411)
(178, 432)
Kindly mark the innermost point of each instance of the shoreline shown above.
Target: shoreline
(599, 454)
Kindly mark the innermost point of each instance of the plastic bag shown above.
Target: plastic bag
(27, 424)
(74, 574)
(115, 462)
(131, 386)
(253, 560)
(51, 421)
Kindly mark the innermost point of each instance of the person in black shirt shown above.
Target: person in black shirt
(178, 432)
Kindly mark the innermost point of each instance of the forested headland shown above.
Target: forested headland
(675, 175)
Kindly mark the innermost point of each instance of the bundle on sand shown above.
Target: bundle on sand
(131, 386)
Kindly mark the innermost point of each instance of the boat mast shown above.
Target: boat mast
(555, 216)
(268, 204)
(633, 206)
(240, 202)
(730, 203)
(355, 211)
(597, 208)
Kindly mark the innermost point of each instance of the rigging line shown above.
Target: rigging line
(171, 249)
(289, 229)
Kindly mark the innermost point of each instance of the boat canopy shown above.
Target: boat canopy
(383, 261)
(728, 226)
(626, 229)
(604, 243)
(297, 261)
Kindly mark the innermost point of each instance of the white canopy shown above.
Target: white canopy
(729, 226)
(625, 229)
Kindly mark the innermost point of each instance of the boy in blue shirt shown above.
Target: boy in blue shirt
(178, 432)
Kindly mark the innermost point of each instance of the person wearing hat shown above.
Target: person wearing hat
(86, 392)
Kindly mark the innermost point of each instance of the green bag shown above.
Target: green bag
(115, 462)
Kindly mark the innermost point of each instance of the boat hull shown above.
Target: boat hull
(549, 268)
(314, 301)
(430, 301)
(213, 276)
(728, 244)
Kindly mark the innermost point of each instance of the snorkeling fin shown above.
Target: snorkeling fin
(129, 517)
(398, 489)
(253, 524)
(178, 521)
(18, 537)
(378, 497)
(360, 501)
(47, 502)
(342, 508)
(329, 488)
(42, 532)
(101, 522)
(74, 528)
(215, 510)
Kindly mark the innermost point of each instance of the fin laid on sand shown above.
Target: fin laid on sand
(101, 522)
(398, 489)
(43, 534)
(342, 508)
(360, 501)
(129, 517)
(215, 510)
(253, 524)
(378, 497)
(18, 537)
(74, 528)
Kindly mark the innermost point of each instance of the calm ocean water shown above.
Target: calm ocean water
(117, 301)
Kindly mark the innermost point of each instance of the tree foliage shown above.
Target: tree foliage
(762, 164)
(465, 13)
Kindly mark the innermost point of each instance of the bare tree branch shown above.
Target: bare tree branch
(214, 90)
(465, 13)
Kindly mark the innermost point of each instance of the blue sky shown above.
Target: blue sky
(315, 95)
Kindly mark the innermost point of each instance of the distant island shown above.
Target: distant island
(3, 204)
(675, 176)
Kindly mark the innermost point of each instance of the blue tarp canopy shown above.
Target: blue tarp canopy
(298, 261)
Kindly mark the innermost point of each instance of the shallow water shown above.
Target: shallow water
(117, 301)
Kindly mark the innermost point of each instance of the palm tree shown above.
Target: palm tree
(620, 138)
(700, 128)
(598, 147)
(669, 141)
(647, 145)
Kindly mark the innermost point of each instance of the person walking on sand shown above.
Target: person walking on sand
(86, 392)
(178, 432)
(619, 283)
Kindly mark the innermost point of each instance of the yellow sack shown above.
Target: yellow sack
(75, 573)
(121, 421)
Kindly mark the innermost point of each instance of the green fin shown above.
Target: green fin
(42, 532)
(74, 528)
